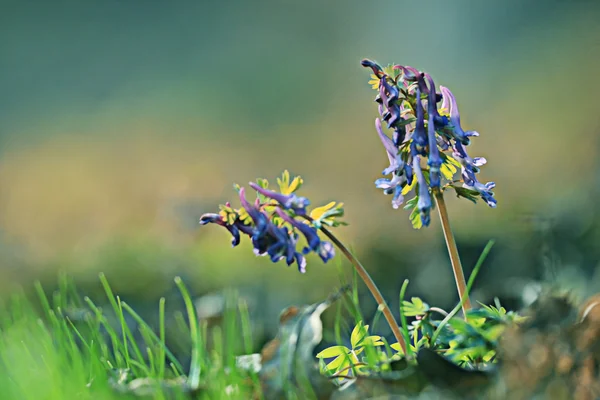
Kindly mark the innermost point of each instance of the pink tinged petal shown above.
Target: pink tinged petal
(388, 143)
(479, 161)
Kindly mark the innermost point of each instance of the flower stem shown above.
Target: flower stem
(364, 275)
(459, 276)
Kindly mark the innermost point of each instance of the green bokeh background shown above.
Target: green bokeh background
(121, 122)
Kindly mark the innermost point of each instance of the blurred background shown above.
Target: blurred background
(122, 121)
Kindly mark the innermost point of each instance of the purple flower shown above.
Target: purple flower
(434, 160)
(260, 219)
(389, 185)
(235, 228)
(424, 202)
(470, 167)
(389, 96)
(460, 154)
(324, 249)
(408, 172)
(211, 218)
(455, 127)
(400, 102)
(389, 109)
(410, 73)
(377, 70)
(419, 137)
(291, 201)
(398, 198)
(392, 151)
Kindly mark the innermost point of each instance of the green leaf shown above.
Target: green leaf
(493, 333)
(447, 171)
(285, 187)
(412, 203)
(245, 217)
(390, 71)
(463, 327)
(396, 346)
(263, 183)
(415, 218)
(371, 341)
(327, 214)
(452, 161)
(337, 363)
(467, 354)
(415, 307)
(405, 121)
(468, 194)
(359, 332)
(345, 365)
(449, 167)
(333, 351)
(228, 213)
(408, 188)
(374, 82)
(489, 312)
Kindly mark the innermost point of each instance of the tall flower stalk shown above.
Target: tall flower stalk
(425, 150)
(275, 223)
(459, 276)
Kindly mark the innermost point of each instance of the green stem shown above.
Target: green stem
(459, 276)
(364, 275)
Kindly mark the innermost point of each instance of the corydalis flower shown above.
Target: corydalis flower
(389, 107)
(273, 227)
(421, 130)
(424, 202)
(291, 201)
(454, 127)
(324, 249)
(470, 166)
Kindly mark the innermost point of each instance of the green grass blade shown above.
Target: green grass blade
(194, 375)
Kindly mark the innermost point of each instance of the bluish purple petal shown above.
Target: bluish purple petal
(291, 201)
(384, 183)
(419, 135)
(310, 233)
(434, 159)
(398, 199)
(410, 73)
(326, 251)
(388, 144)
(456, 128)
(424, 202)
(261, 221)
(479, 161)
(408, 172)
(301, 261)
(211, 218)
(377, 70)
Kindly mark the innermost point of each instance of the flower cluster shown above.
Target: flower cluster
(276, 220)
(408, 104)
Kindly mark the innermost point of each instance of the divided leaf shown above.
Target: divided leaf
(327, 215)
(415, 307)
(468, 194)
(285, 186)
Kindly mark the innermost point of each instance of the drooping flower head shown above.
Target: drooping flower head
(427, 141)
(276, 221)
